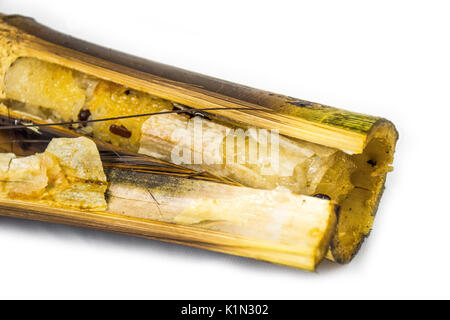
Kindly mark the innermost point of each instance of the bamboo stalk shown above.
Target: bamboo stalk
(370, 139)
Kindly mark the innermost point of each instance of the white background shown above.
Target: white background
(387, 58)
